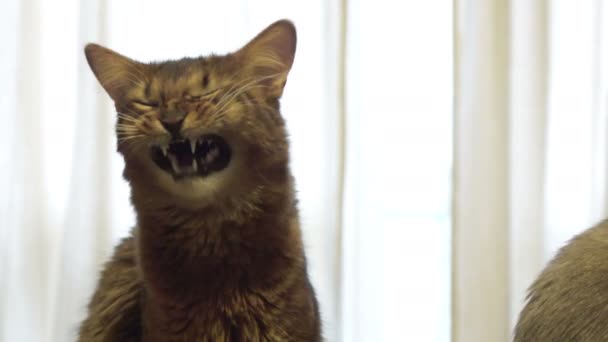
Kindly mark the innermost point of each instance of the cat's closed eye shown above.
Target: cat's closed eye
(145, 104)
(190, 97)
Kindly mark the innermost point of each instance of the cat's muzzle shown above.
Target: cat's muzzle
(193, 157)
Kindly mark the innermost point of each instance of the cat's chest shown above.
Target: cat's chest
(243, 318)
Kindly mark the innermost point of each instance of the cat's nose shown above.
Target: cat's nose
(173, 123)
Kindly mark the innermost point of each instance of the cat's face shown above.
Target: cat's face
(200, 127)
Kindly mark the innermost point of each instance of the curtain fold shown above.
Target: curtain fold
(527, 140)
(481, 179)
(26, 248)
(86, 230)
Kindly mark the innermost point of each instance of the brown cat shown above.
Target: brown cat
(217, 252)
(569, 300)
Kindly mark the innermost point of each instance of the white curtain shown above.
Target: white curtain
(396, 284)
(530, 149)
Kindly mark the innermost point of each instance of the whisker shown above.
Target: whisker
(136, 82)
(127, 117)
(132, 112)
(131, 67)
(128, 131)
(126, 114)
(140, 77)
(121, 126)
(254, 81)
(238, 93)
(123, 139)
(232, 87)
(236, 85)
(241, 89)
(221, 114)
(269, 59)
(231, 95)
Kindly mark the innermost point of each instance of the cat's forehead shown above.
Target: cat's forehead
(189, 75)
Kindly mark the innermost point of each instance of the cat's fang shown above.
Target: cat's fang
(164, 148)
(194, 165)
(193, 145)
(174, 163)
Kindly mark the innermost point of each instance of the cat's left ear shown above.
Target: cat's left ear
(269, 56)
(116, 73)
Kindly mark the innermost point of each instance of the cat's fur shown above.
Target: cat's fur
(212, 258)
(569, 300)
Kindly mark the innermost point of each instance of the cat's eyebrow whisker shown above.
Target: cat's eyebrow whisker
(237, 94)
(259, 105)
(230, 93)
(136, 82)
(220, 115)
(242, 83)
(140, 74)
(139, 78)
(248, 81)
(233, 86)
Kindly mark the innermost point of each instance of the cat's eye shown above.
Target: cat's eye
(212, 92)
(192, 97)
(189, 97)
(145, 103)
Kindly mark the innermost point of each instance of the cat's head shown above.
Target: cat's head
(201, 129)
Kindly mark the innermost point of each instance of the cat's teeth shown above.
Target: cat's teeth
(164, 148)
(212, 154)
(174, 163)
(194, 165)
(193, 145)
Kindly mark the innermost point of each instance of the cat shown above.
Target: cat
(569, 300)
(216, 253)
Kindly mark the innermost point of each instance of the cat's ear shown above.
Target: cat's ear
(115, 72)
(269, 56)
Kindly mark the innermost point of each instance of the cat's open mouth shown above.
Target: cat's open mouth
(189, 158)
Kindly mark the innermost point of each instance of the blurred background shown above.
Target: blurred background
(443, 151)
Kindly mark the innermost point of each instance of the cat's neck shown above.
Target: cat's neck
(187, 255)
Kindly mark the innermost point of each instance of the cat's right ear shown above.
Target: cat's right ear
(115, 72)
